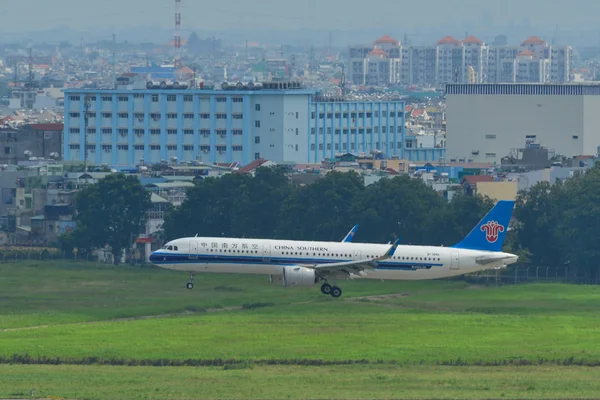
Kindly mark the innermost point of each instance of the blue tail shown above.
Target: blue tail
(490, 232)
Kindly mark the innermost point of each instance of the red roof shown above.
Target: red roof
(448, 40)
(526, 53)
(533, 40)
(472, 39)
(377, 52)
(474, 179)
(417, 113)
(386, 39)
(252, 166)
(47, 127)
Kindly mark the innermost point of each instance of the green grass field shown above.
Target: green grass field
(264, 341)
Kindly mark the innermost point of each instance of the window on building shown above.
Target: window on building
(155, 98)
(188, 147)
(139, 116)
(238, 116)
(188, 98)
(257, 124)
(257, 139)
(107, 131)
(205, 132)
(221, 149)
(124, 99)
(221, 99)
(205, 116)
(575, 137)
(490, 136)
(490, 155)
(172, 116)
(123, 115)
(205, 149)
(91, 130)
(107, 147)
(154, 147)
(312, 131)
(74, 98)
(106, 98)
(71, 147)
(188, 131)
(297, 131)
(320, 146)
(171, 131)
(138, 147)
(237, 99)
(8, 150)
(256, 156)
(236, 132)
(138, 96)
(312, 146)
(221, 116)
(171, 97)
(74, 115)
(122, 147)
(123, 131)
(297, 114)
(172, 147)
(155, 131)
(237, 148)
(73, 130)
(296, 147)
(107, 115)
(188, 116)
(257, 107)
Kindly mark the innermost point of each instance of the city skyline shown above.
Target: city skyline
(152, 20)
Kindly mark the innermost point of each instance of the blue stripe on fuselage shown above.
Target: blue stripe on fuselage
(172, 258)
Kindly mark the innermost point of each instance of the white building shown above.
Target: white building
(485, 122)
(388, 62)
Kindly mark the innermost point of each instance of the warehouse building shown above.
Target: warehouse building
(486, 122)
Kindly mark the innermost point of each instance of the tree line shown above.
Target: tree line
(556, 225)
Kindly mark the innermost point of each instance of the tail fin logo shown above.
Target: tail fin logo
(492, 229)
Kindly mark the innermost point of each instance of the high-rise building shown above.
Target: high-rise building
(388, 62)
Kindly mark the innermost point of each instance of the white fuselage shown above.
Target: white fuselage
(268, 257)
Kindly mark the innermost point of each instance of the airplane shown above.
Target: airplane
(302, 263)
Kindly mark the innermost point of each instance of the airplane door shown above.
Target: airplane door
(266, 252)
(194, 249)
(357, 255)
(454, 260)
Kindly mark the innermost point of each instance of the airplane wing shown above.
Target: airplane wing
(350, 235)
(352, 267)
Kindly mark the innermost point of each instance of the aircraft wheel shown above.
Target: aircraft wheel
(189, 285)
(326, 288)
(336, 292)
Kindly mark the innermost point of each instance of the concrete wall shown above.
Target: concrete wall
(556, 121)
(13, 144)
(498, 190)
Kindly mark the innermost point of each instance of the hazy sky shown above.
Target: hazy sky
(28, 15)
(280, 21)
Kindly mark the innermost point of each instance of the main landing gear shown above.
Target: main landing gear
(190, 284)
(334, 291)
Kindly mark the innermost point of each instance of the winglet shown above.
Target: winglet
(391, 250)
(350, 235)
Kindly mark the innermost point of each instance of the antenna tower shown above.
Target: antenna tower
(177, 41)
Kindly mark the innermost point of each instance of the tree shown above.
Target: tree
(112, 212)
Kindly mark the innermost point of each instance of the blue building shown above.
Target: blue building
(155, 72)
(277, 121)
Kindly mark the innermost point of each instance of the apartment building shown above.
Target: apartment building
(470, 60)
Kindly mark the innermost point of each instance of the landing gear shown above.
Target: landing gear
(334, 291)
(190, 284)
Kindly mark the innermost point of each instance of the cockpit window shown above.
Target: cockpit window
(175, 248)
(170, 247)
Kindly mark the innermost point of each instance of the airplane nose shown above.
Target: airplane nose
(153, 257)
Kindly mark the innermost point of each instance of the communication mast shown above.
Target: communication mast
(177, 41)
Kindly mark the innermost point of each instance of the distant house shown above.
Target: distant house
(469, 183)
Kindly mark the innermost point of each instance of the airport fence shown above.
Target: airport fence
(524, 274)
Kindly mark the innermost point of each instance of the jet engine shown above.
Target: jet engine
(299, 276)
